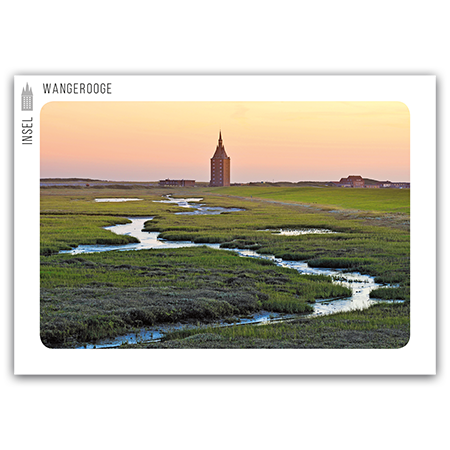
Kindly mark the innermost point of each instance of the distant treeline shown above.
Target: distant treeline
(205, 183)
(70, 179)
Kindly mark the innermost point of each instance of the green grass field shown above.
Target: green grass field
(385, 200)
(98, 295)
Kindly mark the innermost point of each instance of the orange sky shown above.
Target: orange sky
(281, 141)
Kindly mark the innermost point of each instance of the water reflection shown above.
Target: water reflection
(283, 232)
(205, 210)
(149, 335)
(117, 200)
(360, 285)
(199, 209)
(183, 202)
(148, 240)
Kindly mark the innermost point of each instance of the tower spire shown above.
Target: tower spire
(220, 165)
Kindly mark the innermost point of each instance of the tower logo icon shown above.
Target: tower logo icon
(27, 99)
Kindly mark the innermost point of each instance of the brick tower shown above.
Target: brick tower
(220, 166)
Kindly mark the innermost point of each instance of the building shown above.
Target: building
(352, 181)
(27, 99)
(356, 181)
(220, 166)
(185, 183)
(395, 185)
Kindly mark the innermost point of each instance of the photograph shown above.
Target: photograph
(223, 224)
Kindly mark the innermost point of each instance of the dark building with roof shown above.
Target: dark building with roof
(168, 182)
(353, 181)
(220, 166)
(356, 181)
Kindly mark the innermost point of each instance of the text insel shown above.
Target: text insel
(27, 131)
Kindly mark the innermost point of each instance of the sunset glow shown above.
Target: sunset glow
(266, 141)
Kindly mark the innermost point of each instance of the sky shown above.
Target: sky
(266, 141)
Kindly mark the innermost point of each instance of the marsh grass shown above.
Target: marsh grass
(102, 294)
(106, 294)
(83, 203)
(68, 231)
(391, 293)
(370, 247)
(70, 220)
(380, 326)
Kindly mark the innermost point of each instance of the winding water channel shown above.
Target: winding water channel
(361, 285)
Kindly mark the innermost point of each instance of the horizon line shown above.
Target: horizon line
(207, 181)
